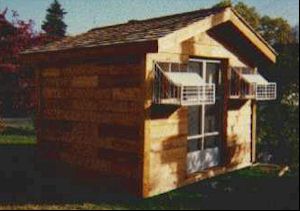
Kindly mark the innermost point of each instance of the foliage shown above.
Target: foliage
(17, 140)
(17, 132)
(224, 3)
(296, 32)
(54, 24)
(16, 83)
(15, 36)
(278, 122)
(278, 127)
(249, 13)
(274, 30)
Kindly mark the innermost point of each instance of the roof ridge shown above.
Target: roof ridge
(216, 9)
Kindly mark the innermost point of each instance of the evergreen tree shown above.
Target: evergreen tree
(54, 24)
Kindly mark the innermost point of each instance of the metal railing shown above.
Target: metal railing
(241, 89)
(238, 88)
(266, 91)
(167, 92)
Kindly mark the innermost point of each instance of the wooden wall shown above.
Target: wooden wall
(91, 116)
(100, 117)
(168, 149)
(239, 132)
(165, 149)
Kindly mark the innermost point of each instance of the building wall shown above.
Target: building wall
(91, 116)
(166, 127)
(239, 132)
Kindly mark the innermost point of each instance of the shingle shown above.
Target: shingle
(130, 32)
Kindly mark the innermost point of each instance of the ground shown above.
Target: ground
(27, 182)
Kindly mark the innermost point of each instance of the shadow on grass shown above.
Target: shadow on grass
(26, 179)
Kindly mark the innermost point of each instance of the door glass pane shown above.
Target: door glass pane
(211, 142)
(195, 124)
(196, 67)
(194, 145)
(214, 75)
(212, 118)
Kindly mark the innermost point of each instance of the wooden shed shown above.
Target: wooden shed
(160, 103)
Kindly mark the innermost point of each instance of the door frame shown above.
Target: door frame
(219, 100)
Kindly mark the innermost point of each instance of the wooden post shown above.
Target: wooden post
(148, 66)
(225, 77)
(253, 132)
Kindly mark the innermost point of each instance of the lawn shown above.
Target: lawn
(17, 132)
(26, 182)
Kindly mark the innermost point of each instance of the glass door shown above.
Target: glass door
(204, 122)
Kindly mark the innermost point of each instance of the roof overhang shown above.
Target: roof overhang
(86, 54)
(227, 19)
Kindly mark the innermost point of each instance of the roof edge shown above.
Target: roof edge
(217, 9)
(254, 31)
(85, 47)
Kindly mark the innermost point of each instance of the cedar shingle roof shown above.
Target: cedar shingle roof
(130, 32)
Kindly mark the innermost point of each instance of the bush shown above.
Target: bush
(278, 133)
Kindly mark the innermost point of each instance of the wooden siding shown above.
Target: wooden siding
(165, 147)
(91, 116)
(168, 151)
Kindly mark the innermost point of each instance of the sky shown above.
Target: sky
(87, 14)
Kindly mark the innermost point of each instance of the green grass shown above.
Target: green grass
(17, 139)
(18, 133)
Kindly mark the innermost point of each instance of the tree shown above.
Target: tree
(278, 134)
(54, 24)
(249, 13)
(224, 3)
(16, 93)
(276, 30)
(296, 32)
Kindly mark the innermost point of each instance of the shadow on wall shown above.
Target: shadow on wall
(162, 112)
(168, 148)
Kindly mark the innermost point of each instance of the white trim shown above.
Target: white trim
(204, 70)
(205, 60)
(203, 136)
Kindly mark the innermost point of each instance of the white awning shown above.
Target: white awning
(255, 78)
(185, 79)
